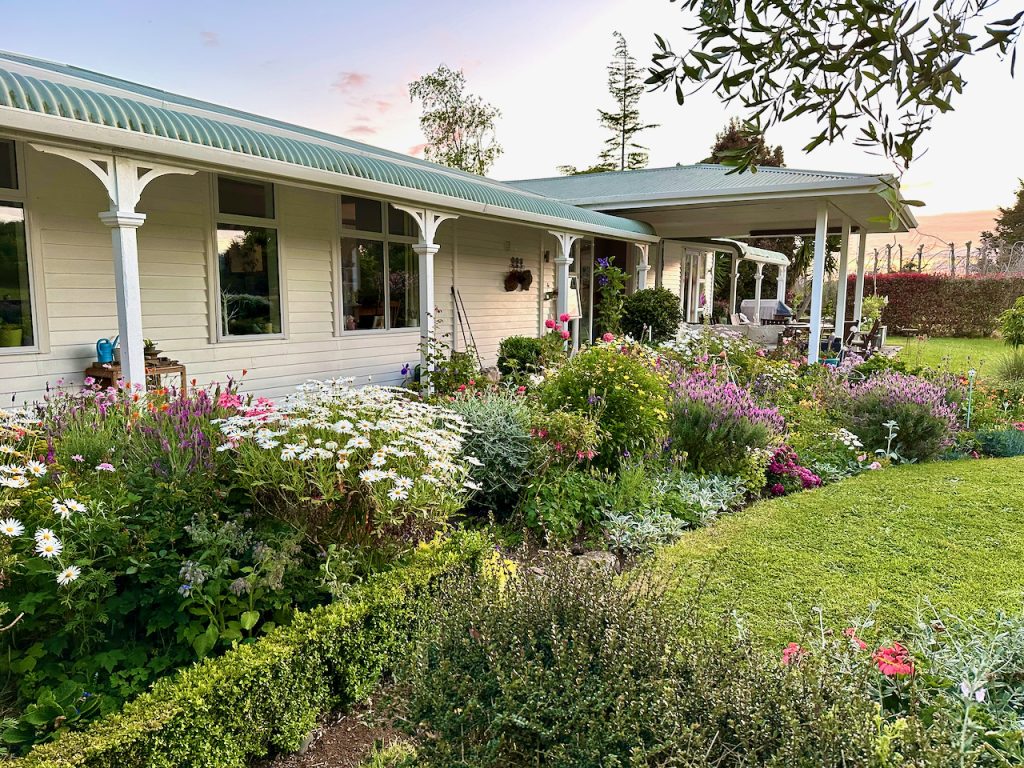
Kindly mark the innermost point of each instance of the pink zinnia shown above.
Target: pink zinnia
(549, 323)
(608, 337)
(564, 317)
(894, 661)
(792, 654)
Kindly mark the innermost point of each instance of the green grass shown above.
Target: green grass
(948, 534)
(955, 355)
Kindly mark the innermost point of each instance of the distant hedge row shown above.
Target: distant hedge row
(267, 695)
(939, 305)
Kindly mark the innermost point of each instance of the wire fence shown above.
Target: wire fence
(966, 259)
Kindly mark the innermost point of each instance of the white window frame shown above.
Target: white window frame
(20, 196)
(381, 237)
(217, 218)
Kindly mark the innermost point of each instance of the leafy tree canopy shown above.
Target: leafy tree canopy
(1009, 224)
(736, 140)
(458, 126)
(885, 68)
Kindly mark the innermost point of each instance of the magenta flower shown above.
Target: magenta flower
(105, 467)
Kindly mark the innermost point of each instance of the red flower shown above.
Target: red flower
(793, 653)
(894, 661)
(564, 317)
(565, 334)
(851, 633)
(549, 323)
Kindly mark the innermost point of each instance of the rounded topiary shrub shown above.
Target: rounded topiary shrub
(621, 390)
(520, 355)
(654, 310)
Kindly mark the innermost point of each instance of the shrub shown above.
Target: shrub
(786, 475)
(520, 355)
(499, 439)
(653, 310)
(717, 424)
(563, 438)
(1001, 443)
(1010, 368)
(706, 346)
(618, 388)
(564, 504)
(926, 420)
(1011, 324)
(353, 465)
(573, 670)
(939, 305)
(267, 695)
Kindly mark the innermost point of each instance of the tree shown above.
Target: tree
(886, 67)
(626, 85)
(459, 127)
(737, 139)
(1009, 226)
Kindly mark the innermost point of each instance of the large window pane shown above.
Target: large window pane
(401, 223)
(250, 284)
(15, 296)
(237, 197)
(361, 214)
(362, 284)
(404, 282)
(8, 166)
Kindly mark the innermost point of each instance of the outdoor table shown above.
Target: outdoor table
(108, 374)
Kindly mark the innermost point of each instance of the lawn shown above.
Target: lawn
(949, 534)
(955, 355)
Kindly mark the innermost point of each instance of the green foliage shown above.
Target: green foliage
(459, 127)
(611, 281)
(52, 714)
(1001, 443)
(574, 670)
(871, 310)
(780, 60)
(267, 695)
(1009, 224)
(618, 389)
(625, 84)
(564, 504)
(1010, 368)
(520, 355)
(499, 439)
(1011, 324)
(653, 310)
(947, 532)
(711, 441)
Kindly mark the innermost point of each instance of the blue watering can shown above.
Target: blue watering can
(105, 350)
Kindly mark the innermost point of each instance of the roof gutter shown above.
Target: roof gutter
(74, 133)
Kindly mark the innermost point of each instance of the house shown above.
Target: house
(241, 242)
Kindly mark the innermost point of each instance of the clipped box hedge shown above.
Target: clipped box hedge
(269, 694)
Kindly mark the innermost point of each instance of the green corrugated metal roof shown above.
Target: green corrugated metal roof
(327, 153)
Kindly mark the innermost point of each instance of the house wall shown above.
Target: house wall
(74, 299)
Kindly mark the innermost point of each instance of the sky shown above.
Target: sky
(344, 67)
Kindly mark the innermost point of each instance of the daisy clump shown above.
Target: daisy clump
(354, 464)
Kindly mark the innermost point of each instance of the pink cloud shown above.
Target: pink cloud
(349, 81)
(362, 130)
(210, 39)
(416, 150)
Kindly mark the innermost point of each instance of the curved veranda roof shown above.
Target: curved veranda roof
(57, 90)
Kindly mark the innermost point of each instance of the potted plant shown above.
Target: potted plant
(10, 335)
(149, 349)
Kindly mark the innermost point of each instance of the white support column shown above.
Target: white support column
(780, 286)
(734, 277)
(758, 281)
(709, 285)
(562, 263)
(643, 266)
(841, 280)
(858, 294)
(817, 281)
(427, 221)
(124, 179)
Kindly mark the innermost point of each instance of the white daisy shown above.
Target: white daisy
(472, 486)
(371, 475)
(13, 482)
(45, 534)
(378, 459)
(8, 449)
(403, 482)
(11, 527)
(36, 468)
(342, 465)
(398, 494)
(357, 442)
(68, 575)
(474, 461)
(49, 549)
(75, 506)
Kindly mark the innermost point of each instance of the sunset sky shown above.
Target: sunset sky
(344, 67)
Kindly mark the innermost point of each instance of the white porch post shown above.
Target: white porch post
(709, 285)
(780, 286)
(562, 263)
(841, 280)
(124, 180)
(858, 294)
(427, 222)
(734, 277)
(643, 266)
(758, 281)
(817, 281)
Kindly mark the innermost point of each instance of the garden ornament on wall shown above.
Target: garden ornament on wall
(518, 278)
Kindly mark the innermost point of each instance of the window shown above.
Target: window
(247, 256)
(16, 326)
(380, 281)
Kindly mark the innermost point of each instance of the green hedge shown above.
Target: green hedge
(268, 694)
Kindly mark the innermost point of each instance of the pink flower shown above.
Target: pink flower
(608, 337)
(874, 465)
(894, 661)
(863, 457)
(565, 334)
(564, 317)
(778, 489)
(792, 654)
(78, 457)
(521, 389)
(851, 632)
(88, 381)
(549, 323)
(105, 467)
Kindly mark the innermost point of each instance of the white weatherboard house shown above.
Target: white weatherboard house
(242, 242)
